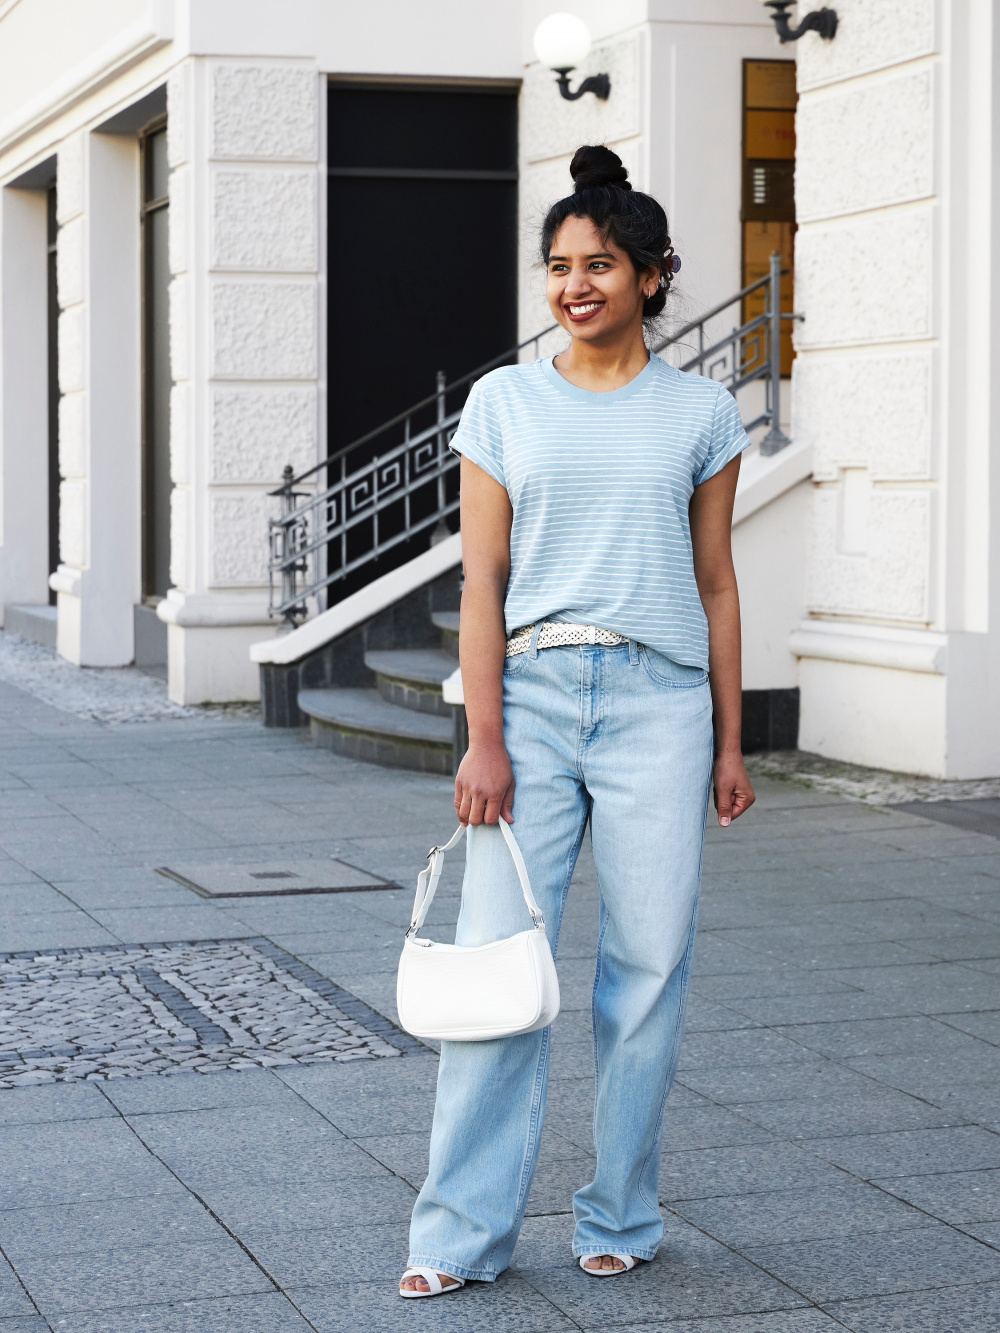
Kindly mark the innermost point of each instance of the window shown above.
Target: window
(156, 484)
(768, 213)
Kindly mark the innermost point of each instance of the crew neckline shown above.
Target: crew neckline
(598, 397)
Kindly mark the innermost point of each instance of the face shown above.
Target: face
(593, 288)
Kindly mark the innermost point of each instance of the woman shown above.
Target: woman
(600, 628)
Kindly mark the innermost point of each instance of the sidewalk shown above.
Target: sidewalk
(832, 1146)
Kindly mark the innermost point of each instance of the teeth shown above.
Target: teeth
(585, 309)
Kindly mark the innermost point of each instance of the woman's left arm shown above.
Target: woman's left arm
(711, 536)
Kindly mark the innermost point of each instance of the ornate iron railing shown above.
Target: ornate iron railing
(750, 351)
(368, 498)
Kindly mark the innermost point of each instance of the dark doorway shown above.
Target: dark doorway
(422, 253)
(53, 383)
(156, 483)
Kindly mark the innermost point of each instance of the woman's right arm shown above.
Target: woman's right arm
(484, 787)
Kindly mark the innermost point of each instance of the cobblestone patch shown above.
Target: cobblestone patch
(133, 1010)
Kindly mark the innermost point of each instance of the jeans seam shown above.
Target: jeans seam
(685, 965)
(536, 1098)
(593, 1020)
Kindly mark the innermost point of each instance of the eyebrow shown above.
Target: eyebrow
(601, 254)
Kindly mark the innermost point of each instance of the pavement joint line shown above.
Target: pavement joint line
(215, 1216)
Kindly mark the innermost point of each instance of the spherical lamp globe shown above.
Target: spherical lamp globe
(562, 41)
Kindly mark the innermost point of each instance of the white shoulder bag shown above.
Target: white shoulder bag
(449, 992)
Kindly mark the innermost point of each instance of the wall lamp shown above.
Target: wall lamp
(562, 41)
(823, 21)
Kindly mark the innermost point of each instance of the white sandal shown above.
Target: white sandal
(433, 1279)
(626, 1259)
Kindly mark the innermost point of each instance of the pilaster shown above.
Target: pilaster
(245, 200)
(896, 189)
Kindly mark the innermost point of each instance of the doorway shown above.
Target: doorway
(156, 483)
(422, 272)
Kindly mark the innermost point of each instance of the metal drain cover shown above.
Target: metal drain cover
(259, 878)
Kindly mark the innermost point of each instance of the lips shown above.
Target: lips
(580, 311)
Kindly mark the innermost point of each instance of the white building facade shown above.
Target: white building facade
(865, 548)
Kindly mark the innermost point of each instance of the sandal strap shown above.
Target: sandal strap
(432, 1277)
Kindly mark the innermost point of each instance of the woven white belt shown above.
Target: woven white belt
(555, 635)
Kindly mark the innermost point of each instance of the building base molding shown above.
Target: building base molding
(871, 645)
(211, 663)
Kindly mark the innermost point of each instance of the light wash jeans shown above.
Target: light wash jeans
(623, 736)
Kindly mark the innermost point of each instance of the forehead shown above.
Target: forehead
(579, 236)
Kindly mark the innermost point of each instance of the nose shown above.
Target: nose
(578, 283)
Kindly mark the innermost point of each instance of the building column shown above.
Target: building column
(896, 387)
(99, 415)
(245, 199)
(24, 408)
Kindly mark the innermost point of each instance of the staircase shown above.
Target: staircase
(404, 721)
(368, 535)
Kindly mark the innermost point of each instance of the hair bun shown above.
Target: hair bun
(594, 165)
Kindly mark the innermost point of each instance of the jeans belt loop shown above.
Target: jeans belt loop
(633, 653)
(533, 647)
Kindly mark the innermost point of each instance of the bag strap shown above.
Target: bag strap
(427, 880)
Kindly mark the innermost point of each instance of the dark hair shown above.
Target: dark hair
(635, 222)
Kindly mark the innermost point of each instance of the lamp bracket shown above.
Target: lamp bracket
(598, 84)
(823, 21)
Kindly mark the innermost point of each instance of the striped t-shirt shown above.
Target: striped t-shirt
(600, 485)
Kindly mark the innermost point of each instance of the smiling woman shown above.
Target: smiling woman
(600, 631)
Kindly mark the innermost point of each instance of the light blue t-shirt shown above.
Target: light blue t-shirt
(600, 485)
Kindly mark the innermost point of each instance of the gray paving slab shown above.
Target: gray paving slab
(752, 1168)
(14, 1300)
(58, 1101)
(268, 1312)
(952, 1196)
(913, 1151)
(110, 1279)
(28, 1233)
(851, 1209)
(195, 1092)
(950, 1309)
(848, 1114)
(911, 1260)
(510, 1305)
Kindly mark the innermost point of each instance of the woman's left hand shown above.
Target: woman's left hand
(733, 792)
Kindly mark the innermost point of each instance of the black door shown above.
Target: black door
(422, 254)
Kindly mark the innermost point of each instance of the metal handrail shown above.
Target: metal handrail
(318, 521)
(750, 351)
(312, 521)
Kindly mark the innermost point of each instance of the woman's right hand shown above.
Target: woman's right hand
(484, 786)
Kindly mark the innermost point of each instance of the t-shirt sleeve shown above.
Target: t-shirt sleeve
(728, 437)
(478, 436)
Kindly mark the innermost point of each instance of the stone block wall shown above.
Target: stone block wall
(245, 216)
(893, 270)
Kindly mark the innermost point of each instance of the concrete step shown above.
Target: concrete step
(361, 724)
(447, 623)
(36, 623)
(411, 678)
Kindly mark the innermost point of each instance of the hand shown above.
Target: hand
(733, 792)
(484, 786)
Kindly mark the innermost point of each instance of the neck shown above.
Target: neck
(603, 365)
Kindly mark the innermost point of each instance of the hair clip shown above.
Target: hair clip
(675, 263)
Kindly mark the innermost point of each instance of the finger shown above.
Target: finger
(491, 811)
(724, 805)
(477, 808)
(463, 805)
(507, 808)
(742, 802)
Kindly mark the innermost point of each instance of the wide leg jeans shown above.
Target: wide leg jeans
(621, 736)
